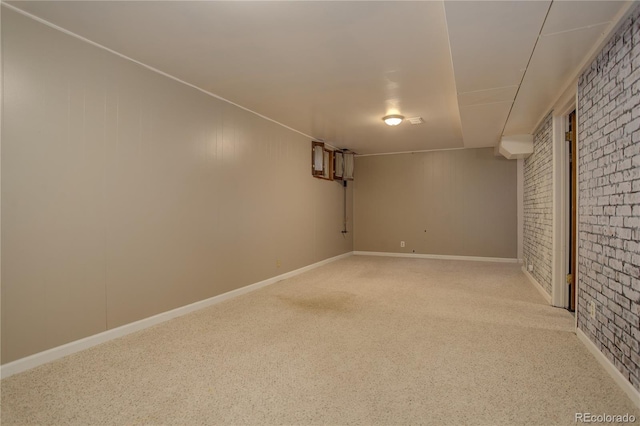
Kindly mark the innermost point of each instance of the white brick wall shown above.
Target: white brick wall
(538, 205)
(609, 199)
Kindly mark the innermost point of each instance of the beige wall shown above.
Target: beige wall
(461, 202)
(126, 194)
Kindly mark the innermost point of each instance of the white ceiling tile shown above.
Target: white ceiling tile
(491, 41)
(567, 15)
(489, 96)
(554, 64)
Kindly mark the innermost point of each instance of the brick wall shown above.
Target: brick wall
(609, 199)
(538, 204)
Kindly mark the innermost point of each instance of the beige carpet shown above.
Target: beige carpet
(365, 340)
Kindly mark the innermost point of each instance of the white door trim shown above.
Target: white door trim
(561, 205)
(559, 295)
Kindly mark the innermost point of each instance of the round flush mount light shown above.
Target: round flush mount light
(393, 120)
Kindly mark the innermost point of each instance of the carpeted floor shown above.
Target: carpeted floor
(365, 340)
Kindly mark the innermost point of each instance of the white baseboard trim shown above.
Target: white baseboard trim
(537, 285)
(53, 354)
(437, 256)
(617, 377)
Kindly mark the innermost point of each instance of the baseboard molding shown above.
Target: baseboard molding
(436, 256)
(617, 377)
(53, 354)
(537, 285)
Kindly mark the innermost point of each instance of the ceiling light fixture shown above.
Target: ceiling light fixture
(393, 120)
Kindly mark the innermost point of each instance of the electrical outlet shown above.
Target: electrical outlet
(592, 309)
(401, 243)
(530, 267)
(278, 264)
